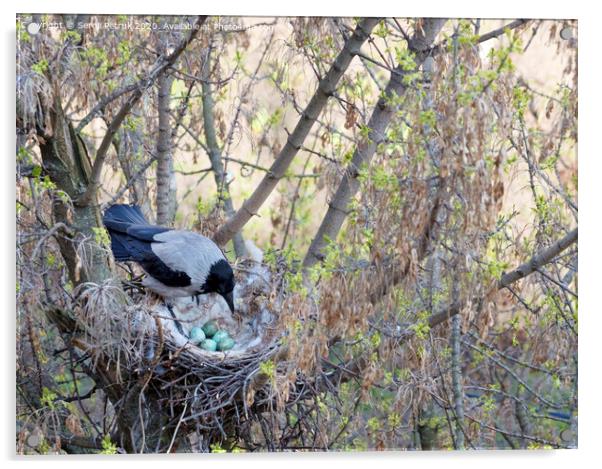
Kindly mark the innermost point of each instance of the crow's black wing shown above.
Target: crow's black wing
(131, 242)
(141, 252)
(118, 219)
(156, 268)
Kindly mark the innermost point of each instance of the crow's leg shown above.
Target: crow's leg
(175, 320)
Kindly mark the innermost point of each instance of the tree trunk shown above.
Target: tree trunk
(215, 156)
(166, 190)
(65, 159)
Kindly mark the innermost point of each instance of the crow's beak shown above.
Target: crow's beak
(230, 300)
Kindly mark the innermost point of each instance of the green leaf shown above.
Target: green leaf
(108, 447)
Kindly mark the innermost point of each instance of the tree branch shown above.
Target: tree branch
(484, 37)
(130, 155)
(161, 65)
(325, 89)
(379, 121)
(165, 198)
(214, 151)
(537, 261)
(104, 102)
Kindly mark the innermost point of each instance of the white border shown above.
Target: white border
(590, 418)
(461, 8)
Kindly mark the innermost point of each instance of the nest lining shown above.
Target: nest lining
(252, 326)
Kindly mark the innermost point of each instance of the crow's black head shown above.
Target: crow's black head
(221, 280)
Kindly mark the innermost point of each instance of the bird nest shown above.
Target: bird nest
(213, 392)
(212, 397)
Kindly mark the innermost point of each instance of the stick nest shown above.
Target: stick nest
(200, 390)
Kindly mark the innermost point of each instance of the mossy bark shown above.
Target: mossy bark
(66, 162)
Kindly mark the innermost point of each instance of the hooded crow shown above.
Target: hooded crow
(178, 263)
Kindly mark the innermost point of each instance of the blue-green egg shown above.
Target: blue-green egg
(197, 335)
(209, 345)
(225, 344)
(210, 328)
(220, 335)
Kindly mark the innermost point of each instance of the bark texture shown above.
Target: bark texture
(66, 160)
(166, 184)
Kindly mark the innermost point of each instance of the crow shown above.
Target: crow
(178, 263)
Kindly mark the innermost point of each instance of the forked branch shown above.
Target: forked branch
(379, 121)
(295, 140)
(536, 262)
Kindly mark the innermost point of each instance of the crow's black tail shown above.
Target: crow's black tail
(120, 217)
(117, 219)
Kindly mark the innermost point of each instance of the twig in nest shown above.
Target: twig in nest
(159, 349)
